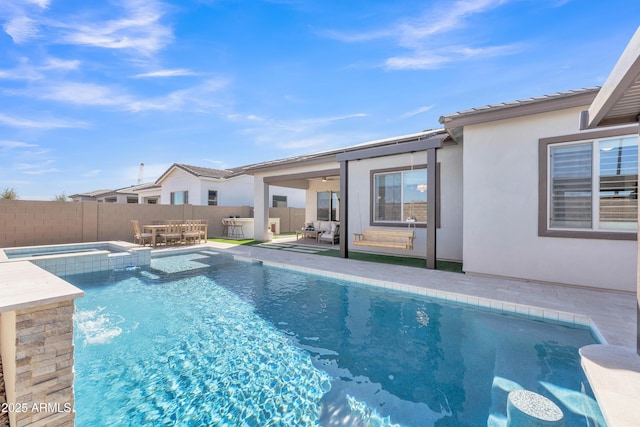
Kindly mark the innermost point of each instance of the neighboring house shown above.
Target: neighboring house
(122, 195)
(517, 190)
(186, 184)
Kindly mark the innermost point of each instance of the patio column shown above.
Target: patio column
(260, 209)
(344, 209)
(638, 273)
(432, 208)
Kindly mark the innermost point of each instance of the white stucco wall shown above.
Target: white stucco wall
(236, 191)
(296, 197)
(449, 235)
(179, 180)
(500, 219)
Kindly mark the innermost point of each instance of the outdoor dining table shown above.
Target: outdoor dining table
(155, 229)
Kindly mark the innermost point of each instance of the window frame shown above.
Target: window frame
(274, 202)
(185, 197)
(401, 223)
(209, 199)
(593, 137)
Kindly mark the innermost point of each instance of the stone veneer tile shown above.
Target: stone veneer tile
(44, 359)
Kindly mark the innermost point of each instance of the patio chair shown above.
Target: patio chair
(173, 232)
(192, 230)
(333, 235)
(139, 237)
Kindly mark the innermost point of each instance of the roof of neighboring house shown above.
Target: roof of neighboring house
(135, 188)
(199, 171)
(524, 107)
(94, 193)
(329, 155)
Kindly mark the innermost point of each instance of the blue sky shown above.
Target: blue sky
(90, 89)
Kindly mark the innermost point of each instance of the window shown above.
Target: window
(213, 198)
(400, 195)
(179, 197)
(592, 186)
(328, 209)
(132, 200)
(279, 202)
(110, 199)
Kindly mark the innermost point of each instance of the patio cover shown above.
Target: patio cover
(618, 101)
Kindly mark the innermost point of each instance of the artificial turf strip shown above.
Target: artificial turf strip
(454, 267)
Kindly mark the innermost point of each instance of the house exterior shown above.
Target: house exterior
(121, 195)
(187, 184)
(545, 200)
(195, 185)
(495, 197)
(378, 184)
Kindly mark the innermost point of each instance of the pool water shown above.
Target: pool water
(201, 339)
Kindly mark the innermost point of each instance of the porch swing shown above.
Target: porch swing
(387, 238)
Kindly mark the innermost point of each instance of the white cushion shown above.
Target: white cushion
(333, 227)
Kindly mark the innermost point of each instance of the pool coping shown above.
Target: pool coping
(470, 300)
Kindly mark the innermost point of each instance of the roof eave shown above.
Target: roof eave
(623, 81)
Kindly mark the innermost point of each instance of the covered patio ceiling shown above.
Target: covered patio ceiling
(618, 101)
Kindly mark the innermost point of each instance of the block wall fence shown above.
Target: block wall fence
(28, 223)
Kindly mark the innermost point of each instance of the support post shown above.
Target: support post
(432, 208)
(344, 209)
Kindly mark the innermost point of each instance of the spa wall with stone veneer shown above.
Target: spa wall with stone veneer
(42, 387)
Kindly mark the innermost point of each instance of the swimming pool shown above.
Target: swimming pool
(75, 258)
(201, 339)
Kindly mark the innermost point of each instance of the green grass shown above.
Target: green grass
(454, 267)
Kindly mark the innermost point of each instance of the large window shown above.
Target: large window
(592, 185)
(400, 195)
(179, 197)
(328, 206)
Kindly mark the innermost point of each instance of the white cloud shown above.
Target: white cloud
(424, 37)
(15, 144)
(167, 73)
(308, 134)
(83, 94)
(41, 171)
(139, 29)
(21, 29)
(197, 98)
(27, 71)
(92, 173)
(417, 111)
(134, 25)
(36, 168)
(40, 123)
(60, 64)
(42, 3)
